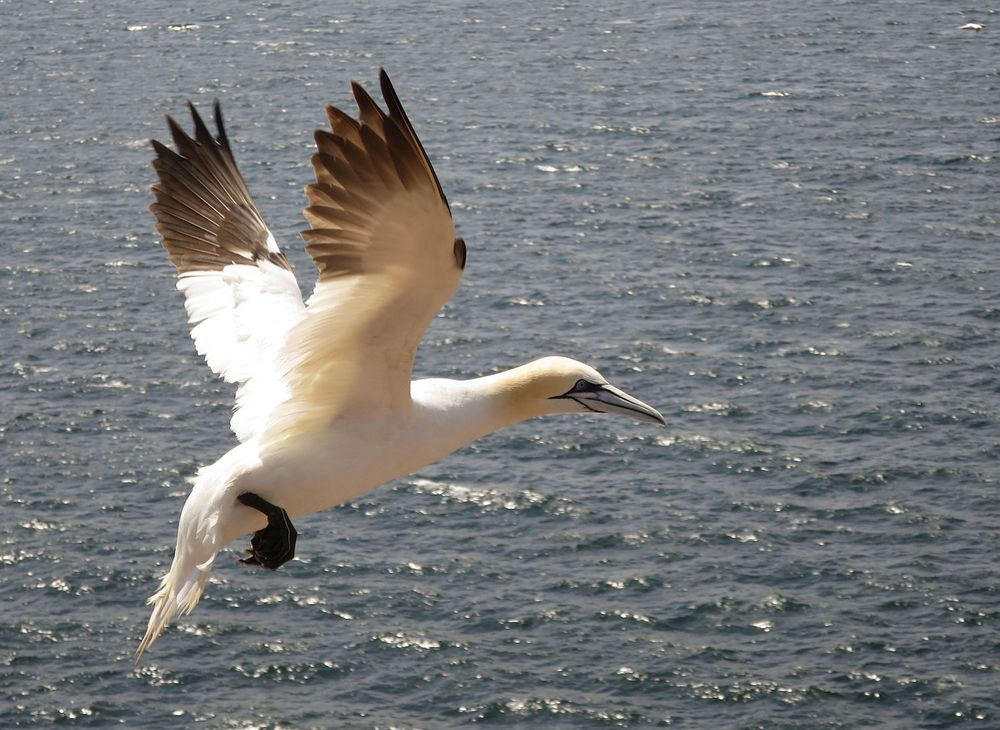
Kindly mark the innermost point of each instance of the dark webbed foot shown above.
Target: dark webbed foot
(274, 545)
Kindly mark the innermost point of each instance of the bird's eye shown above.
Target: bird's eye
(581, 384)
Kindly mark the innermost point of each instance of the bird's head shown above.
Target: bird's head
(563, 385)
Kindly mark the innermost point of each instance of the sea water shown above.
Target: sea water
(776, 222)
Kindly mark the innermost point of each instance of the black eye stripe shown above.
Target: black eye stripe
(580, 386)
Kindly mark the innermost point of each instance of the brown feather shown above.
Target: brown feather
(360, 165)
(203, 208)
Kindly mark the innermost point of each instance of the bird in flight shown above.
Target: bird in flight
(325, 407)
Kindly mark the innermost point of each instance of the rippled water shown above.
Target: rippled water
(777, 222)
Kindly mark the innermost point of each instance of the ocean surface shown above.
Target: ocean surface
(777, 222)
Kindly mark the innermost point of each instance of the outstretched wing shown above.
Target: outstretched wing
(241, 296)
(383, 240)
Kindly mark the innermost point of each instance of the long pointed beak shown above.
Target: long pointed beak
(609, 399)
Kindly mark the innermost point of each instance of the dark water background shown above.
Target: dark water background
(776, 221)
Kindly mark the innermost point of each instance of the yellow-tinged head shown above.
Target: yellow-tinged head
(563, 385)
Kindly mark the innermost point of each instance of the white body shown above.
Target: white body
(352, 455)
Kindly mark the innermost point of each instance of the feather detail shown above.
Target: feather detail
(240, 294)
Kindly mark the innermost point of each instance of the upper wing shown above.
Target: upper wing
(383, 240)
(241, 296)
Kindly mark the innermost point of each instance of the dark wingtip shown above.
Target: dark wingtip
(162, 152)
(181, 138)
(219, 125)
(201, 133)
(367, 106)
(193, 110)
(397, 112)
(389, 92)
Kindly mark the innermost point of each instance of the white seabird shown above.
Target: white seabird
(325, 408)
(972, 26)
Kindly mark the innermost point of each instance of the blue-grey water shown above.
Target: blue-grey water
(778, 222)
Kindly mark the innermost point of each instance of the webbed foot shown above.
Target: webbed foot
(274, 545)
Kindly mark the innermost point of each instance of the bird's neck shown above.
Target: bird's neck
(461, 411)
(512, 396)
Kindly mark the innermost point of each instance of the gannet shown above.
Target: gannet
(972, 26)
(325, 408)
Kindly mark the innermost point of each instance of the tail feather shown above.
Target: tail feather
(179, 592)
(198, 541)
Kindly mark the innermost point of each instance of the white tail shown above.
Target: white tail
(198, 541)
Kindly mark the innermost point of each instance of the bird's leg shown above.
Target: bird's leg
(274, 545)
